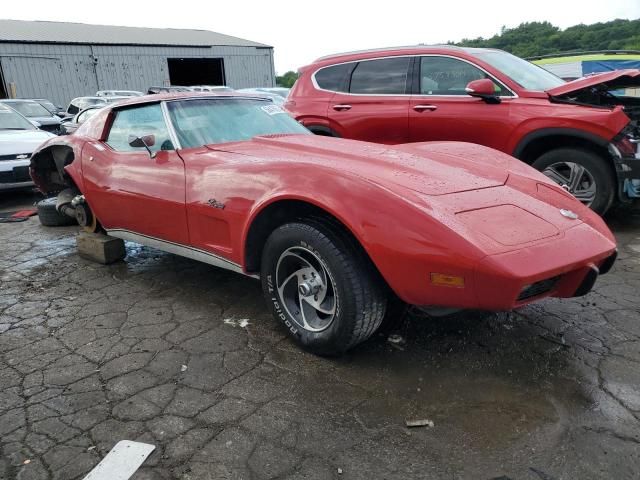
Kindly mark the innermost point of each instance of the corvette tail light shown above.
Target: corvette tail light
(443, 280)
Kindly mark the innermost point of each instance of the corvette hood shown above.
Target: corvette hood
(609, 80)
(436, 168)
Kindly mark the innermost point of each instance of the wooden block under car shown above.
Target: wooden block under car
(100, 248)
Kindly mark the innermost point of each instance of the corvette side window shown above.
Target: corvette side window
(450, 76)
(387, 76)
(139, 121)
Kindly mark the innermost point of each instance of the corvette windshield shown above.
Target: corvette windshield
(525, 74)
(205, 121)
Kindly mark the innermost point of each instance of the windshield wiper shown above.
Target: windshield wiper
(14, 128)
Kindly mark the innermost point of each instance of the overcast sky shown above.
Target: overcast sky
(304, 30)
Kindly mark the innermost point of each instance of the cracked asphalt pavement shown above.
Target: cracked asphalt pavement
(184, 356)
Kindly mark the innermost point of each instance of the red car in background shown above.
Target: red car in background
(583, 135)
(334, 228)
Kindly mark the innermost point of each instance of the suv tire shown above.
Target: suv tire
(586, 174)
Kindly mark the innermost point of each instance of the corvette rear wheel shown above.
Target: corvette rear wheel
(584, 174)
(321, 287)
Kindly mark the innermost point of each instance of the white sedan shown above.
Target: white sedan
(18, 139)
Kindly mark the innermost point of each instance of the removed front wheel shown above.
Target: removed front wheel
(322, 287)
(583, 173)
(49, 216)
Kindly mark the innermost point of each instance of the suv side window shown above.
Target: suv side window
(387, 76)
(450, 76)
(145, 120)
(332, 78)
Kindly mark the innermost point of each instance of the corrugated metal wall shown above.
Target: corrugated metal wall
(61, 72)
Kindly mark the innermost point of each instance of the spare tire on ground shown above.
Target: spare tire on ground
(50, 217)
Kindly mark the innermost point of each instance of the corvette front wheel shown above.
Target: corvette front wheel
(322, 287)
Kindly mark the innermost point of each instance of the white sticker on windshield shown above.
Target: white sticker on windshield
(272, 109)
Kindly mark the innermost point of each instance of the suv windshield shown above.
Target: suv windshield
(525, 74)
(218, 120)
(10, 120)
(30, 109)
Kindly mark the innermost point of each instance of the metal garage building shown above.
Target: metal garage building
(60, 61)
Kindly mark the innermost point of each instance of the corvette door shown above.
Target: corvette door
(131, 190)
(441, 109)
(376, 107)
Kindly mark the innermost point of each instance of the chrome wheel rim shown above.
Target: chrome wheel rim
(574, 178)
(306, 289)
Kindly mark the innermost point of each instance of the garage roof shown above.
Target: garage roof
(63, 32)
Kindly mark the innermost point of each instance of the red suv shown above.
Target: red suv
(583, 134)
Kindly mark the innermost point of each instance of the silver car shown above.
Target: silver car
(18, 139)
(118, 93)
(276, 94)
(35, 113)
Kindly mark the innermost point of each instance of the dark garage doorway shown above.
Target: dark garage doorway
(196, 71)
(3, 90)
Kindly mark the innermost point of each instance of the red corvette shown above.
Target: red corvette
(333, 227)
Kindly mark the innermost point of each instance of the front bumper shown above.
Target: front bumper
(626, 157)
(567, 267)
(14, 174)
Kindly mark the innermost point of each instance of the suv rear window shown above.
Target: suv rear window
(332, 78)
(386, 76)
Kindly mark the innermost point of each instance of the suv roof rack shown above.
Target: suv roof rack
(386, 49)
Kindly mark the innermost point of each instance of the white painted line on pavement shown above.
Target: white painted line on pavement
(122, 461)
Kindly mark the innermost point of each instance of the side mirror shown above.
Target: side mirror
(483, 89)
(145, 141)
(35, 124)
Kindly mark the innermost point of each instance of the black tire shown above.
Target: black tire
(50, 217)
(395, 315)
(323, 131)
(359, 299)
(595, 166)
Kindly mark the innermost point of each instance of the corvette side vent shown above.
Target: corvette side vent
(538, 288)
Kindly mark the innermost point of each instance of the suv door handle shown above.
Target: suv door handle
(422, 108)
(342, 107)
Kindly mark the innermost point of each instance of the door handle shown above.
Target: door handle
(422, 108)
(342, 107)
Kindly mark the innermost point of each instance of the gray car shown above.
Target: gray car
(18, 139)
(54, 109)
(36, 113)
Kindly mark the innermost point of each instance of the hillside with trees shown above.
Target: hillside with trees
(542, 38)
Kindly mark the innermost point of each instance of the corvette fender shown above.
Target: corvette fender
(55, 156)
(377, 217)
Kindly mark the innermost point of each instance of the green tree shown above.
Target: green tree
(287, 80)
(542, 38)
